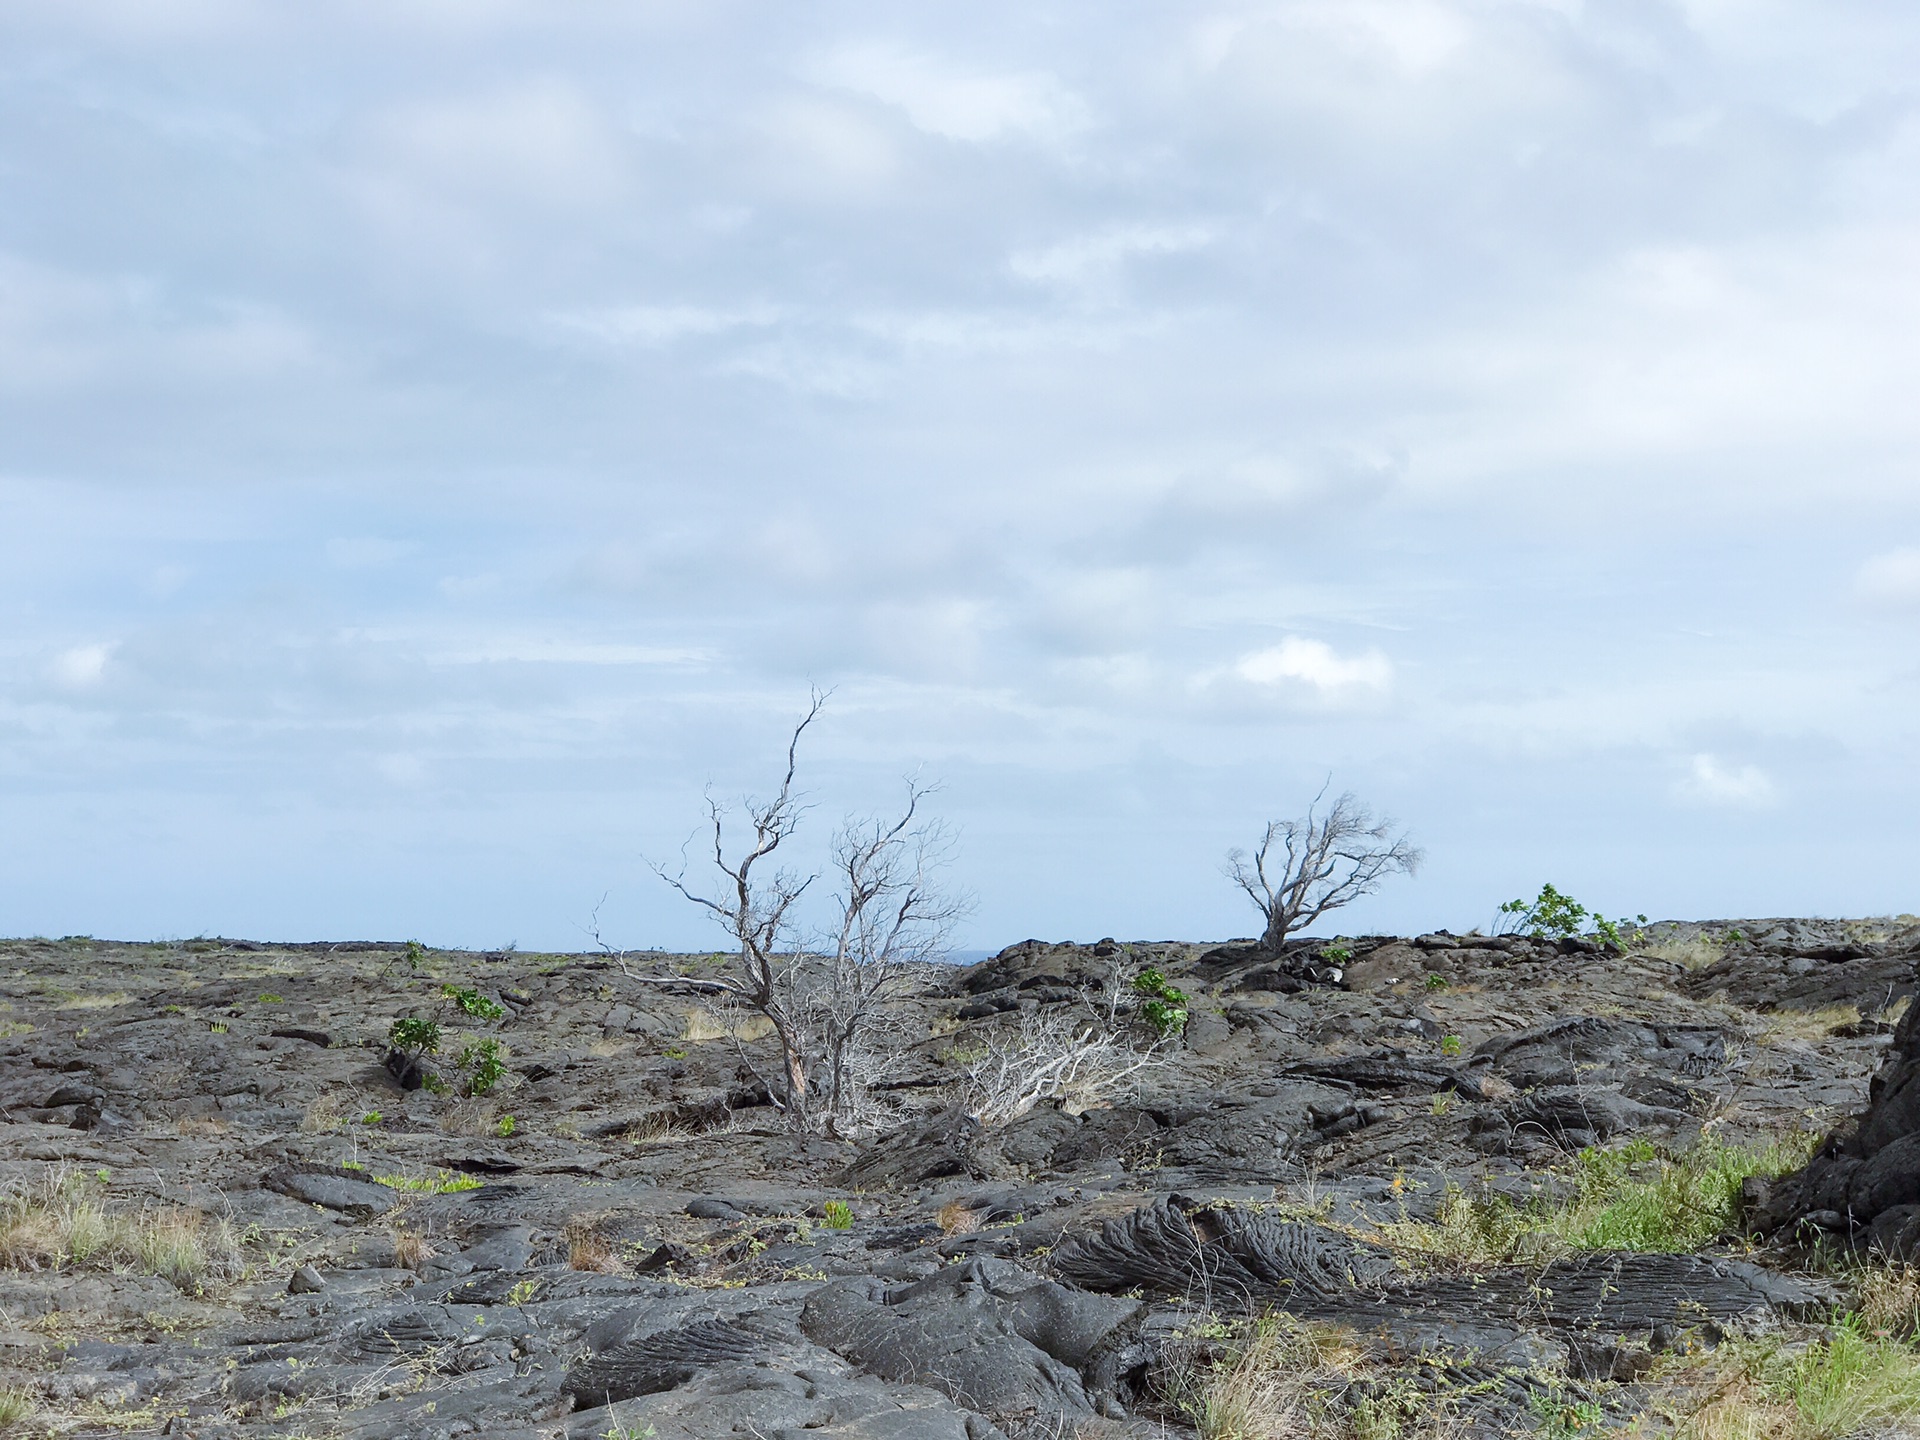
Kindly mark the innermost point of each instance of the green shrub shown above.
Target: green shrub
(485, 1066)
(839, 1215)
(413, 1035)
(1163, 1007)
(505, 1127)
(472, 1002)
(1554, 916)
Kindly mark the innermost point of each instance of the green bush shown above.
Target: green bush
(1554, 916)
(485, 1066)
(472, 1002)
(1163, 1007)
(414, 1035)
(839, 1215)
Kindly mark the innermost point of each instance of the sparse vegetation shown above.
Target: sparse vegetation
(839, 1215)
(60, 1222)
(1846, 1382)
(414, 1036)
(441, 1182)
(1626, 1198)
(485, 1064)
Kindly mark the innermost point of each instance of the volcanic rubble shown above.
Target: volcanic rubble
(625, 1237)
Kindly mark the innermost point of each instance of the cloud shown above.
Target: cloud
(1097, 259)
(1891, 579)
(946, 101)
(82, 667)
(1314, 664)
(1711, 781)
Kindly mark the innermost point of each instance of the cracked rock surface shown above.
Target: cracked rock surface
(624, 1237)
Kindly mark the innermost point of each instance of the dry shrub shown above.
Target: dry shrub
(589, 1249)
(956, 1218)
(1889, 1300)
(472, 1119)
(201, 1125)
(411, 1249)
(324, 1112)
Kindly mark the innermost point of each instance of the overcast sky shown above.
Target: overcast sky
(439, 438)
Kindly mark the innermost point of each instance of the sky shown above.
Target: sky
(441, 441)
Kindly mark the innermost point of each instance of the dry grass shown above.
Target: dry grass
(95, 1002)
(1696, 953)
(1804, 1024)
(589, 1249)
(411, 1249)
(957, 1219)
(326, 1111)
(201, 1125)
(60, 1223)
(1280, 1378)
(472, 1119)
(703, 1026)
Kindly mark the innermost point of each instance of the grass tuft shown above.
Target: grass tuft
(60, 1223)
(1848, 1382)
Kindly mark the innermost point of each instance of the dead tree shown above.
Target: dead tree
(893, 915)
(1317, 863)
(826, 1002)
(758, 913)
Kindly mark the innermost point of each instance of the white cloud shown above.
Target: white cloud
(1317, 665)
(1711, 781)
(82, 667)
(951, 103)
(1891, 579)
(1097, 258)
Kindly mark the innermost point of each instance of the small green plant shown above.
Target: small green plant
(505, 1126)
(217, 1027)
(1554, 916)
(485, 1066)
(416, 954)
(839, 1215)
(267, 997)
(414, 1035)
(1163, 1007)
(1442, 1102)
(1336, 954)
(441, 1182)
(1437, 982)
(472, 1002)
(675, 1052)
(435, 1084)
(372, 1117)
(1449, 1045)
(16, 1404)
(521, 1293)
(1550, 916)
(1561, 1418)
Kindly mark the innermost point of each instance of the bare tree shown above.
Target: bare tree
(1319, 862)
(893, 915)
(825, 1004)
(758, 913)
